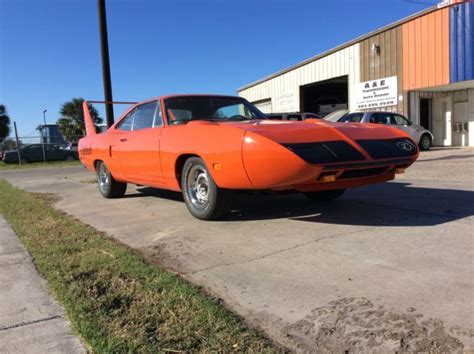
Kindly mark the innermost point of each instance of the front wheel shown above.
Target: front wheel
(425, 142)
(203, 198)
(108, 186)
(324, 196)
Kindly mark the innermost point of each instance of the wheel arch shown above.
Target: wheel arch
(95, 163)
(179, 164)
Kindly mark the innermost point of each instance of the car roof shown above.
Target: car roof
(292, 113)
(350, 112)
(164, 97)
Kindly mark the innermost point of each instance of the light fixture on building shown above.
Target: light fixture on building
(375, 49)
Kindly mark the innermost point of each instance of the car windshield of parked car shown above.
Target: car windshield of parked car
(183, 109)
(336, 115)
(352, 117)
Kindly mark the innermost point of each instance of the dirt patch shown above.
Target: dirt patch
(357, 325)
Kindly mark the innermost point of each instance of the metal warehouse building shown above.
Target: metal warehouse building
(421, 66)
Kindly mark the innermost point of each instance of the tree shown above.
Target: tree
(4, 122)
(71, 125)
(8, 144)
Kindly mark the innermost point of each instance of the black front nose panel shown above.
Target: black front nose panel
(388, 148)
(325, 152)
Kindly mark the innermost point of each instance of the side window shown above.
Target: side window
(381, 118)
(294, 117)
(275, 117)
(35, 149)
(401, 120)
(144, 116)
(352, 117)
(127, 122)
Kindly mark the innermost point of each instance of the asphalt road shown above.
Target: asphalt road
(386, 267)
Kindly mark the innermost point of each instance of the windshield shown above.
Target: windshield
(183, 109)
(336, 115)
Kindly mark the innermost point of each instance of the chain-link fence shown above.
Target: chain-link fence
(36, 148)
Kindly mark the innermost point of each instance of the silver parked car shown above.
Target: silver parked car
(422, 136)
(292, 116)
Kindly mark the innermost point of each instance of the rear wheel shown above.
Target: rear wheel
(324, 196)
(108, 186)
(203, 198)
(425, 142)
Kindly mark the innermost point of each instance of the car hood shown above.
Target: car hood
(285, 132)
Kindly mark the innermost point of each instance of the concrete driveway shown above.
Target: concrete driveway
(385, 267)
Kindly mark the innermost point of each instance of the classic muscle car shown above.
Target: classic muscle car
(208, 147)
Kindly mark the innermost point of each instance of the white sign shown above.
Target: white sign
(284, 103)
(377, 93)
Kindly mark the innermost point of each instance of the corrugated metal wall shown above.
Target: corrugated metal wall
(461, 31)
(389, 62)
(287, 86)
(426, 51)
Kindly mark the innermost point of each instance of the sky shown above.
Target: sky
(49, 49)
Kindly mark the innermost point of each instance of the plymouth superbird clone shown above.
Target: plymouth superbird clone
(209, 147)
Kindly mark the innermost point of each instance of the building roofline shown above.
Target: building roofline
(342, 46)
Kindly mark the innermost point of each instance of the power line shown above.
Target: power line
(419, 2)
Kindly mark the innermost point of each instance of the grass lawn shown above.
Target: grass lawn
(114, 299)
(5, 166)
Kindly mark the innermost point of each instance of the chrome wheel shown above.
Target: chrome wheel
(198, 187)
(103, 178)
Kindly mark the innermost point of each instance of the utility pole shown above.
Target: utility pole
(17, 143)
(104, 48)
(43, 135)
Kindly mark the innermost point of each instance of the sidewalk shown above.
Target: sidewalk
(30, 320)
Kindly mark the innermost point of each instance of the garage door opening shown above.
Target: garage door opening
(325, 97)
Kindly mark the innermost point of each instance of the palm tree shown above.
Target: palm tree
(71, 125)
(4, 122)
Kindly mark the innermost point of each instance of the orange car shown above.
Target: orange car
(210, 146)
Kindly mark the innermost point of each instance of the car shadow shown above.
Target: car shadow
(451, 157)
(387, 204)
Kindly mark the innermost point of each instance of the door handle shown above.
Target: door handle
(123, 140)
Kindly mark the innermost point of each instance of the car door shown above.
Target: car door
(33, 153)
(404, 124)
(53, 153)
(139, 148)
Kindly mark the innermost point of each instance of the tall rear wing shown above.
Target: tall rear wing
(89, 123)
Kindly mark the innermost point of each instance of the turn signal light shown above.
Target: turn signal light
(327, 178)
(399, 170)
(217, 166)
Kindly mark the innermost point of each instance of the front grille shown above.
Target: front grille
(361, 173)
(325, 152)
(389, 148)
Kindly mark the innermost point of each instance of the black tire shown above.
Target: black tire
(203, 198)
(324, 196)
(425, 142)
(108, 186)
